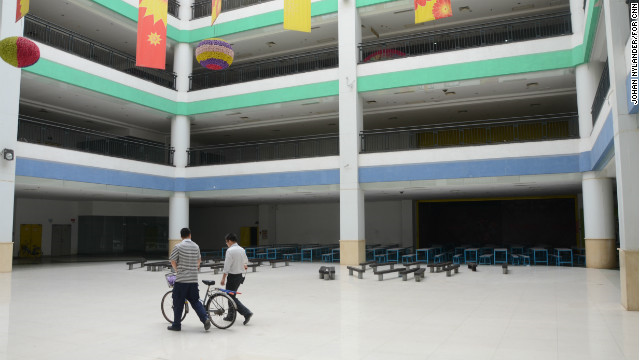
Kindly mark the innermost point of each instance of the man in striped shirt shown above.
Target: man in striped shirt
(185, 260)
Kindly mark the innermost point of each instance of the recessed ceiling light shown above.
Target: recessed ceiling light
(533, 84)
(464, 8)
(244, 117)
(450, 93)
(270, 43)
(312, 103)
(371, 101)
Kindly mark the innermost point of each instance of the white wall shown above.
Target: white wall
(383, 223)
(307, 223)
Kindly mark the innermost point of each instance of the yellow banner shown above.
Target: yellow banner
(428, 10)
(297, 15)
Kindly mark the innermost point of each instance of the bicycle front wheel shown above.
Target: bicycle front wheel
(167, 307)
(222, 310)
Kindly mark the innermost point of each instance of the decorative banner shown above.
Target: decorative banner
(152, 34)
(22, 8)
(297, 15)
(428, 10)
(216, 8)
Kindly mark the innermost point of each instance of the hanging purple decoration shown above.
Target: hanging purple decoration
(214, 54)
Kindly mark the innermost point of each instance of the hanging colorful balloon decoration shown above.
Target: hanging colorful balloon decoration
(19, 51)
(214, 54)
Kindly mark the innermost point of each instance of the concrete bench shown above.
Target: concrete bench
(375, 266)
(253, 266)
(453, 267)
(418, 275)
(438, 266)
(216, 267)
(327, 272)
(131, 263)
(505, 268)
(472, 266)
(155, 266)
(382, 272)
(417, 263)
(364, 264)
(404, 273)
(356, 269)
(274, 262)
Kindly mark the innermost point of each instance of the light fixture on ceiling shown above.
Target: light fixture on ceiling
(532, 84)
(371, 101)
(271, 44)
(8, 154)
(464, 8)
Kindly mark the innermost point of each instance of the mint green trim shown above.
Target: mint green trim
(363, 3)
(465, 71)
(302, 92)
(63, 73)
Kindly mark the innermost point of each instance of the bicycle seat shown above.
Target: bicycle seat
(209, 282)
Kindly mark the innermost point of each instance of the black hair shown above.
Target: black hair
(185, 232)
(231, 237)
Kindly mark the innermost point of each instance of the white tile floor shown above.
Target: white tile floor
(104, 311)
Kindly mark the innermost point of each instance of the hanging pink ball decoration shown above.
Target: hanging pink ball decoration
(214, 54)
(19, 51)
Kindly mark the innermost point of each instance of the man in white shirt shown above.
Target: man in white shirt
(235, 263)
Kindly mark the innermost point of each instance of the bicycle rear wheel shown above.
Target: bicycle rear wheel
(222, 310)
(167, 307)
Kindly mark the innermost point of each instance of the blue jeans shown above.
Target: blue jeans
(189, 292)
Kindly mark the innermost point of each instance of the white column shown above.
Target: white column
(599, 223)
(183, 66)
(9, 109)
(587, 79)
(352, 243)
(180, 139)
(625, 137)
(184, 12)
(178, 217)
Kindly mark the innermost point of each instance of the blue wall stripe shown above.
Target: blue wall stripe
(471, 169)
(586, 161)
(94, 175)
(297, 178)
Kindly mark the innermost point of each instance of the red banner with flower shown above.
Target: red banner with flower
(152, 34)
(22, 8)
(428, 10)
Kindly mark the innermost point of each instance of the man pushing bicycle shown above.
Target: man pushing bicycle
(185, 260)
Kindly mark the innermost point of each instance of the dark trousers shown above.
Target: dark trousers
(233, 283)
(189, 292)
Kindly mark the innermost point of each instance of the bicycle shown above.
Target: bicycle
(221, 308)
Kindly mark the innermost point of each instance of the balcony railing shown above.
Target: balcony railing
(38, 131)
(174, 8)
(512, 30)
(601, 93)
(485, 132)
(281, 149)
(281, 66)
(202, 9)
(50, 34)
